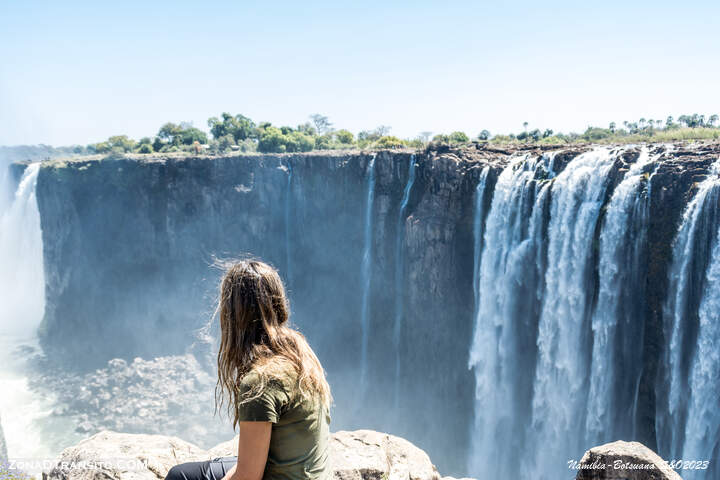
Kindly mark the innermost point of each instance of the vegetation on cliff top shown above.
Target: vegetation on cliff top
(240, 133)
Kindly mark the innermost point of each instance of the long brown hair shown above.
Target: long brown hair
(255, 336)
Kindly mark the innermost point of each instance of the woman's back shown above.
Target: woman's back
(300, 426)
(271, 382)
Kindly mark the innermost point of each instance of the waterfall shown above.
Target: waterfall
(22, 304)
(560, 386)
(507, 288)
(288, 230)
(686, 418)
(619, 314)
(400, 274)
(702, 430)
(366, 274)
(478, 218)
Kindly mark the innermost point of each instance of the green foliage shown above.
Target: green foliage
(240, 133)
(145, 148)
(271, 141)
(389, 142)
(345, 137)
(191, 135)
(284, 139)
(239, 127)
(459, 137)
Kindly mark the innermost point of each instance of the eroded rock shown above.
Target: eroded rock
(624, 461)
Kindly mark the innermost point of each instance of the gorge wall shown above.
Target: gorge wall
(403, 269)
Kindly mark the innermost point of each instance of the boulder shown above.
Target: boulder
(124, 456)
(357, 455)
(624, 461)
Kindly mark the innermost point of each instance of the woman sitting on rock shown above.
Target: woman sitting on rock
(272, 384)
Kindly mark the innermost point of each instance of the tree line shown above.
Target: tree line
(239, 133)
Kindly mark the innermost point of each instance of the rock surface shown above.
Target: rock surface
(358, 455)
(624, 461)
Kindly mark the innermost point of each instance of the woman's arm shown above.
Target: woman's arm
(252, 451)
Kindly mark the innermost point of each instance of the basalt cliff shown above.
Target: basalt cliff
(381, 253)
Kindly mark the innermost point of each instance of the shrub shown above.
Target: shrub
(145, 148)
(389, 141)
(459, 137)
(345, 137)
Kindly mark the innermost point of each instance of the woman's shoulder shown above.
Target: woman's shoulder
(273, 374)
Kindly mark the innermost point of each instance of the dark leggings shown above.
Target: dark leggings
(214, 469)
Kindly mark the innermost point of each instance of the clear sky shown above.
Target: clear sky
(79, 71)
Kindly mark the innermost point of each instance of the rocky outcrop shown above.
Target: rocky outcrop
(359, 455)
(623, 461)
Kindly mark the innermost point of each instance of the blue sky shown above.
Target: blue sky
(77, 72)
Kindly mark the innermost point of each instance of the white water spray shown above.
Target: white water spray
(507, 284)
(22, 304)
(560, 387)
(684, 283)
(620, 272)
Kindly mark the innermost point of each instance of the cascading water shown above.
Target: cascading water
(22, 303)
(366, 274)
(508, 283)
(478, 224)
(560, 387)
(619, 314)
(702, 429)
(686, 420)
(288, 229)
(400, 274)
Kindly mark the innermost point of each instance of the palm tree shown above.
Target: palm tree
(713, 119)
(525, 125)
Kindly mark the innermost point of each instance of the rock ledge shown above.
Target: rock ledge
(356, 455)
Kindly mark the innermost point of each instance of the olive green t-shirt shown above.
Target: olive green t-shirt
(300, 429)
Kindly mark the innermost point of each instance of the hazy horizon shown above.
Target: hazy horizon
(80, 72)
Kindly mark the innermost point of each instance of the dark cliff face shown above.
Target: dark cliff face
(129, 250)
(130, 244)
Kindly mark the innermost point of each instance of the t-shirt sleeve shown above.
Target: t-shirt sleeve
(263, 408)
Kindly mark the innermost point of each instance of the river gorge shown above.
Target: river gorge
(504, 309)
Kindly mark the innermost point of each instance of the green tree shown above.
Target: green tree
(239, 126)
(484, 135)
(345, 137)
(170, 133)
(389, 142)
(121, 143)
(190, 135)
(272, 140)
(145, 148)
(459, 137)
